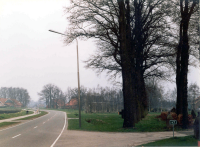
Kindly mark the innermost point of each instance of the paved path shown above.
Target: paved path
(103, 139)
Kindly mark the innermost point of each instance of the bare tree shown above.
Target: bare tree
(130, 40)
(186, 10)
(52, 95)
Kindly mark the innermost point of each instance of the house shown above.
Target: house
(6, 102)
(73, 104)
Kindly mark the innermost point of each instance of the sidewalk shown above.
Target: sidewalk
(113, 139)
(103, 139)
(15, 118)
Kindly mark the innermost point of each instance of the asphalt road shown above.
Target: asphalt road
(41, 132)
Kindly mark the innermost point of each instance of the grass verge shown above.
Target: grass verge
(176, 141)
(112, 122)
(11, 115)
(34, 116)
(6, 124)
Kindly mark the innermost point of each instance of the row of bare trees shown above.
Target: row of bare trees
(139, 39)
(19, 94)
(97, 99)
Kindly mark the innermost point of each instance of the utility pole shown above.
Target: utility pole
(199, 65)
(77, 76)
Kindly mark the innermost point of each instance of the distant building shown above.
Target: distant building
(6, 102)
(72, 104)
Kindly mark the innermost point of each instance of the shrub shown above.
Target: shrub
(164, 115)
(174, 115)
(180, 119)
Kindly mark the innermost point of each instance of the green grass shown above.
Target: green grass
(176, 141)
(5, 124)
(11, 115)
(112, 122)
(34, 116)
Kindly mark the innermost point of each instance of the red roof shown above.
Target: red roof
(72, 102)
(17, 103)
(12, 103)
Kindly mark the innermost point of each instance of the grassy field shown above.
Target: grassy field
(5, 124)
(11, 115)
(34, 116)
(176, 141)
(112, 122)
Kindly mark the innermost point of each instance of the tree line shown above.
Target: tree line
(106, 99)
(138, 40)
(19, 94)
(97, 99)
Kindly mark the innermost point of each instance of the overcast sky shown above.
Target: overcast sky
(31, 56)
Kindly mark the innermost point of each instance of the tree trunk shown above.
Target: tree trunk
(139, 49)
(182, 61)
(128, 89)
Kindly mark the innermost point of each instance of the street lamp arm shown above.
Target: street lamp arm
(57, 32)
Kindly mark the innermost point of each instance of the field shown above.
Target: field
(6, 113)
(112, 122)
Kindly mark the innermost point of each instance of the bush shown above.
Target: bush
(164, 115)
(180, 119)
(174, 115)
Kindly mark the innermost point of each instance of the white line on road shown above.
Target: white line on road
(60, 133)
(16, 136)
(35, 127)
(43, 122)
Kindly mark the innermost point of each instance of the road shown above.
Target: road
(41, 132)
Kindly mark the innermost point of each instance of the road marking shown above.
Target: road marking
(35, 127)
(60, 133)
(16, 136)
(43, 122)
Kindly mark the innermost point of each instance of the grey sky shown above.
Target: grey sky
(31, 56)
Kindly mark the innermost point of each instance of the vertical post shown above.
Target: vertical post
(173, 130)
(79, 101)
(199, 60)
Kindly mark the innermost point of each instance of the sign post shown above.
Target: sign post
(173, 122)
